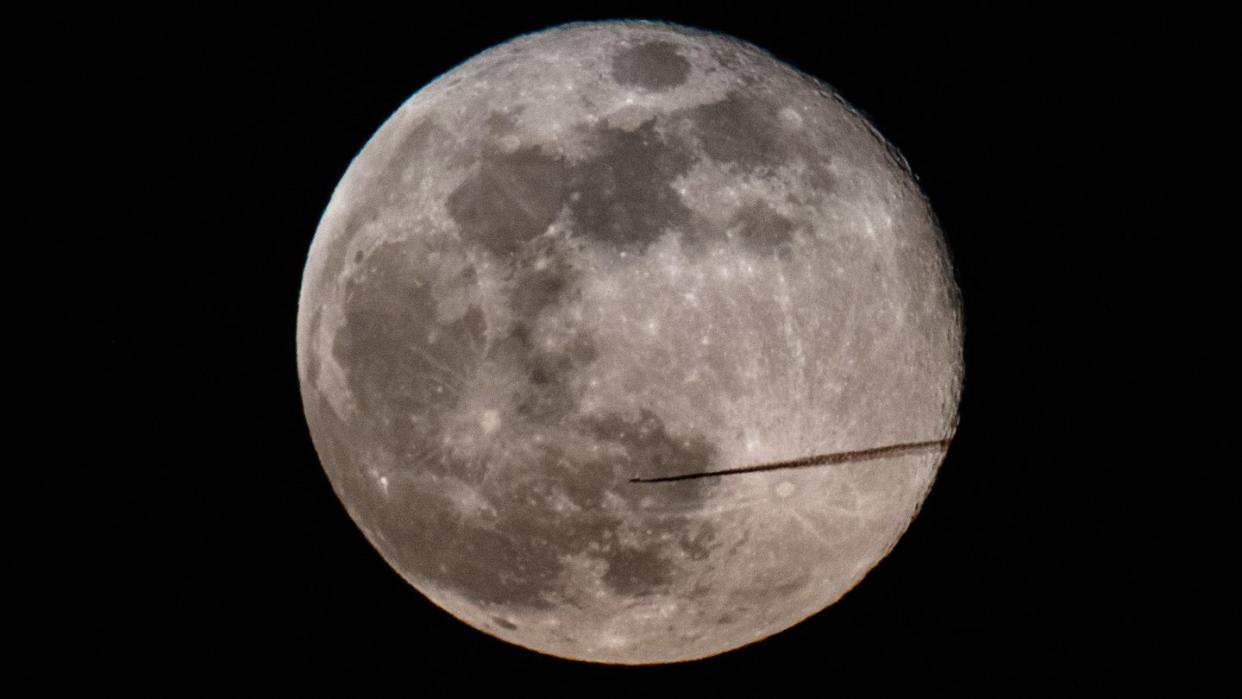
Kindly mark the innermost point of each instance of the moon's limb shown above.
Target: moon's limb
(617, 248)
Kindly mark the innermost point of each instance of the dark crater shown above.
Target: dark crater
(509, 199)
(625, 195)
(762, 230)
(394, 364)
(654, 66)
(637, 571)
(742, 130)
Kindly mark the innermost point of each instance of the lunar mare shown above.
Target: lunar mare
(628, 250)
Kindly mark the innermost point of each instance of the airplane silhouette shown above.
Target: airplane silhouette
(840, 457)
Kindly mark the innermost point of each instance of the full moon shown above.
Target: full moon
(621, 250)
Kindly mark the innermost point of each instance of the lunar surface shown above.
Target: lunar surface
(628, 250)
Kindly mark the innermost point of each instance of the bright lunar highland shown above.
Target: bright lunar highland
(618, 250)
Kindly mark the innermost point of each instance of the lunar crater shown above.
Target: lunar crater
(653, 65)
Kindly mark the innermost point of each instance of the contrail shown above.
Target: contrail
(841, 457)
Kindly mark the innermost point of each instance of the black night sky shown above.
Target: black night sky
(1071, 544)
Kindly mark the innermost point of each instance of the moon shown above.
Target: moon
(623, 250)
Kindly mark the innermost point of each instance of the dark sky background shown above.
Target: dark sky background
(1072, 544)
